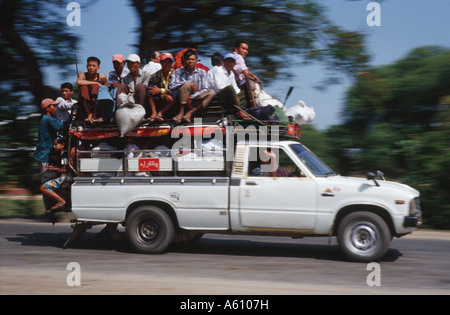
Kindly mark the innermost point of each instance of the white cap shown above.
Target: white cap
(229, 55)
(133, 58)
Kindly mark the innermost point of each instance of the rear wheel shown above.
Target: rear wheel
(364, 236)
(149, 230)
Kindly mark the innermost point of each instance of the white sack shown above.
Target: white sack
(301, 114)
(264, 99)
(129, 114)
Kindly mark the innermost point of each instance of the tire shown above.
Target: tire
(363, 236)
(149, 230)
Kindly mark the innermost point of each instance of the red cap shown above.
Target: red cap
(166, 55)
(47, 102)
(120, 58)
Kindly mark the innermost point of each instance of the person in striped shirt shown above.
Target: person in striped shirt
(191, 87)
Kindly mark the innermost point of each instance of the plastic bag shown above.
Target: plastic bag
(129, 114)
(264, 99)
(301, 114)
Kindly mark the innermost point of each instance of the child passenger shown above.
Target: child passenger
(55, 175)
(93, 89)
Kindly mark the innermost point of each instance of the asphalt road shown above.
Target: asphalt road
(33, 261)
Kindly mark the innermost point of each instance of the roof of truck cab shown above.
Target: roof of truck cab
(268, 143)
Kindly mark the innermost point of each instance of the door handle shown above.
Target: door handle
(251, 183)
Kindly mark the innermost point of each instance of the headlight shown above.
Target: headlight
(414, 206)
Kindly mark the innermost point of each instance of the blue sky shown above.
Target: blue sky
(108, 29)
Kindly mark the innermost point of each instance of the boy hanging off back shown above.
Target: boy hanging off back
(55, 176)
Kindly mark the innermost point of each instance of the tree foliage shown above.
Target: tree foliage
(281, 33)
(34, 35)
(397, 118)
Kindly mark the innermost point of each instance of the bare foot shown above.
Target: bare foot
(59, 206)
(178, 118)
(187, 118)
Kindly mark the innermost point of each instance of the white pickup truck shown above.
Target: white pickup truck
(294, 194)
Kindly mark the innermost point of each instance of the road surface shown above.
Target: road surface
(33, 261)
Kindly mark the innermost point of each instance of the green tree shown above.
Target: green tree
(397, 120)
(281, 33)
(33, 35)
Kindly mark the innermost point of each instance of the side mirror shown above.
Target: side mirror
(372, 176)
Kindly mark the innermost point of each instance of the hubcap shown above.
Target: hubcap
(148, 230)
(362, 237)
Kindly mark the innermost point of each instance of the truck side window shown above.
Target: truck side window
(272, 163)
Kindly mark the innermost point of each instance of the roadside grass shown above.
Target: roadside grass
(25, 208)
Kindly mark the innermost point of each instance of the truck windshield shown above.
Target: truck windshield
(314, 164)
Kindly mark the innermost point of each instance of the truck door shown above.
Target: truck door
(276, 193)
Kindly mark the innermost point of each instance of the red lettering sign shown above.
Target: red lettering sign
(291, 129)
(148, 165)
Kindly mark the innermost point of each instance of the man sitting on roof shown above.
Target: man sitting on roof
(158, 92)
(192, 87)
(222, 81)
(179, 60)
(240, 69)
(115, 79)
(134, 82)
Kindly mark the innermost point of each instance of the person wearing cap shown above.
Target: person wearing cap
(48, 131)
(135, 82)
(115, 79)
(155, 63)
(159, 95)
(192, 86)
(223, 82)
(89, 92)
(116, 76)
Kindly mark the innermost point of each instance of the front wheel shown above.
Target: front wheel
(363, 236)
(149, 230)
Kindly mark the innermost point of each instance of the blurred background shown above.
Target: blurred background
(381, 93)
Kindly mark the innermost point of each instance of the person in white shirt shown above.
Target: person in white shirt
(223, 82)
(155, 63)
(65, 102)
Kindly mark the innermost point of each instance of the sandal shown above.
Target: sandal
(177, 120)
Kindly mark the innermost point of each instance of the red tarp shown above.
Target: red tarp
(99, 134)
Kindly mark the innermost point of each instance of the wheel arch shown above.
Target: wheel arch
(160, 204)
(380, 211)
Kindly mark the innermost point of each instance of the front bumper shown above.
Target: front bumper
(414, 220)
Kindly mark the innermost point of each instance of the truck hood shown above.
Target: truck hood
(365, 184)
